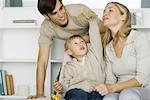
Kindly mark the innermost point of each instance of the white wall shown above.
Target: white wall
(100, 4)
(91, 3)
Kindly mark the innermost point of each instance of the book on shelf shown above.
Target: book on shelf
(1, 84)
(4, 81)
(9, 84)
(3, 88)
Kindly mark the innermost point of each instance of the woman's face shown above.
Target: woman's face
(112, 16)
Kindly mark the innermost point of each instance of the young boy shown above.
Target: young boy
(86, 67)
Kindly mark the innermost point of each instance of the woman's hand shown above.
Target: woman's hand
(102, 89)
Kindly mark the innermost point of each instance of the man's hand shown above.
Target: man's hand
(37, 98)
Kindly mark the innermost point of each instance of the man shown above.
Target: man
(60, 22)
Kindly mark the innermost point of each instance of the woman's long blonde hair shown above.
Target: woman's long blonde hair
(124, 30)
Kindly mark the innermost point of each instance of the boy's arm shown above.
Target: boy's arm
(95, 38)
(67, 76)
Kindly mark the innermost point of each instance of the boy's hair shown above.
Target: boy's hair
(46, 6)
(68, 41)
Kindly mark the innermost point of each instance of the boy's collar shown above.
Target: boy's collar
(82, 62)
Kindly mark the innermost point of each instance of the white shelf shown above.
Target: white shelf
(13, 97)
(20, 27)
(56, 61)
(20, 97)
(140, 27)
(27, 61)
(19, 46)
(17, 60)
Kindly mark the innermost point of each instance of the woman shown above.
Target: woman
(127, 54)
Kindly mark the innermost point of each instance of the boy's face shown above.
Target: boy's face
(59, 15)
(77, 47)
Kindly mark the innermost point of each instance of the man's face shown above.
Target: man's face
(59, 15)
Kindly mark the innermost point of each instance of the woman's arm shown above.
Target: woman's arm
(104, 89)
(142, 48)
(117, 87)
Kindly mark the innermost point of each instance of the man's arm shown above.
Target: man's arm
(43, 56)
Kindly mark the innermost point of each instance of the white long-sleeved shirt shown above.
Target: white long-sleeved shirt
(134, 62)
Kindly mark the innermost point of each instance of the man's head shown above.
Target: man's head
(53, 10)
(76, 47)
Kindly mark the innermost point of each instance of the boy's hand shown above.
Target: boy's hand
(86, 38)
(58, 86)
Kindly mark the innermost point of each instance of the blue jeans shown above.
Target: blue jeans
(79, 94)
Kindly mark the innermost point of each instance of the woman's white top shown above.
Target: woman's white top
(134, 62)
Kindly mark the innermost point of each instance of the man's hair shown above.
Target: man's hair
(67, 43)
(46, 6)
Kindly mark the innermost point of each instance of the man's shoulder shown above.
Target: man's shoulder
(76, 9)
(47, 24)
(75, 5)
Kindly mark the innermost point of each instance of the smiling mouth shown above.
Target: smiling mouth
(62, 19)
